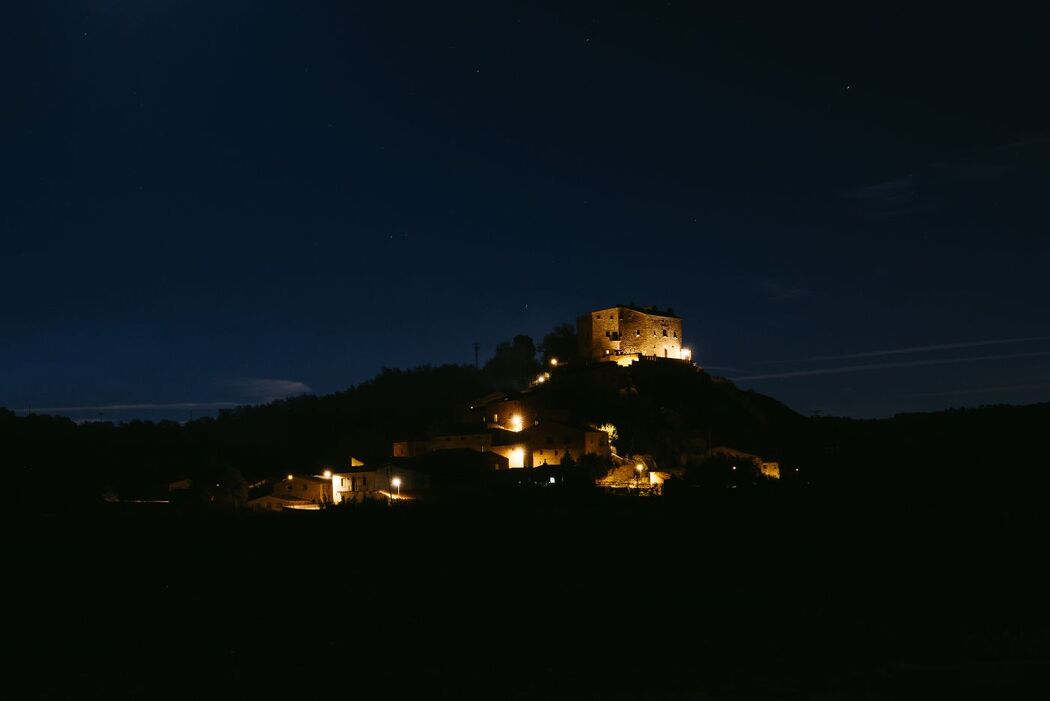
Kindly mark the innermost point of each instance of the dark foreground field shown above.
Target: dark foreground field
(547, 599)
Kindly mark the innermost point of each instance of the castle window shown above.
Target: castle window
(637, 333)
(676, 334)
(665, 333)
(610, 316)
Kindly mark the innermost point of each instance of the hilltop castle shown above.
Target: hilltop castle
(627, 333)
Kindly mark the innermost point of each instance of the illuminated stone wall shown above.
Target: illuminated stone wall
(551, 442)
(310, 489)
(502, 414)
(618, 330)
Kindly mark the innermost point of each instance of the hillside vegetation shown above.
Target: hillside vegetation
(960, 462)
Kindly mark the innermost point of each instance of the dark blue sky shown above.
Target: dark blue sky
(226, 202)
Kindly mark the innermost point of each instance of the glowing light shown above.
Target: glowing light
(516, 458)
(687, 354)
(515, 422)
(328, 474)
(554, 362)
(289, 477)
(640, 467)
(552, 480)
(396, 481)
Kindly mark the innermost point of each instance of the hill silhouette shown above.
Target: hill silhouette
(961, 462)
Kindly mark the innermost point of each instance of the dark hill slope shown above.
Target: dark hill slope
(670, 409)
(987, 460)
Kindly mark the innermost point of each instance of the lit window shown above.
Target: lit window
(552, 480)
(637, 333)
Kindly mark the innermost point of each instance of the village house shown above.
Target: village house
(544, 443)
(386, 481)
(314, 489)
(278, 502)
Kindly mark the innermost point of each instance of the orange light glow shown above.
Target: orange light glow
(515, 422)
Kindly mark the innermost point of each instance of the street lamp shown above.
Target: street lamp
(397, 485)
(641, 468)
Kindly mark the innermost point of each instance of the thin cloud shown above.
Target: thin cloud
(777, 290)
(914, 349)
(137, 407)
(262, 389)
(254, 391)
(935, 184)
(984, 390)
(887, 366)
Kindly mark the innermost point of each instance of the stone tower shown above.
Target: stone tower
(616, 332)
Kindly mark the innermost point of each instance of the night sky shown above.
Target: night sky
(212, 203)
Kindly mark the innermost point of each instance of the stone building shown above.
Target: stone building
(309, 488)
(626, 333)
(386, 481)
(546, 442)
(550, 442)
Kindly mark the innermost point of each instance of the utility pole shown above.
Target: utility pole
(477, 347)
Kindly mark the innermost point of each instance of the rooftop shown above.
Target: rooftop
(652, 311)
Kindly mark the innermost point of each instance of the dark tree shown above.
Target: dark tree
(514, 364)
(561, 343)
